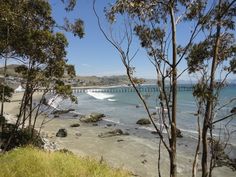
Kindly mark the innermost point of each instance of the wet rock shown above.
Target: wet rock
(63, 111)
(233, 111)
(116, 132)
(76, 115)
(75, 125)
(61, 133)
(93, 117)
(178, 133)
(109, 125)
(119, 140)
(143, 121)
(95, 124)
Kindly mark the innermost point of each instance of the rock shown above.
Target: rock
(56, 116)
(233, 111)
(95, 124)
(154, 132)
(143, 121)
(142, 155)
(78, 134)
(116, 132)
(75, 125)
(93, 117)
(63, 111)
(64, 150)
(144, 161)
(76, 115)
(178, 133)
(154, 113)
(49, 145)
(109, 125)
(97, 115)
(119, 140)
(137, 106)
(61, 133)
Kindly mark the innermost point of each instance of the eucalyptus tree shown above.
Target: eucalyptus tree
(155, 23)
(213, 59)
(32, 41)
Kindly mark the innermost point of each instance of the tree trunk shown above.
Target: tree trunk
(195, 160)
(208, 111)
(2, 121)
(173, 163)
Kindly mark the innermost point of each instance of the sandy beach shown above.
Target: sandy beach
(130, 152)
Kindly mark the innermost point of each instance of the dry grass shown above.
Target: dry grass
(32, 162)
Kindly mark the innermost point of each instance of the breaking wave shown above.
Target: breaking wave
(101, 96)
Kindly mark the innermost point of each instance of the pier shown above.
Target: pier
(144, 89)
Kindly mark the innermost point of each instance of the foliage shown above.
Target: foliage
(31, 161)
(214, 54)
(155, 23)
(21, 137)
(8, 91)
(28, 36)
(200, 53)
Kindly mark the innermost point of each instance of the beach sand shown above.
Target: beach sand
(133, 153)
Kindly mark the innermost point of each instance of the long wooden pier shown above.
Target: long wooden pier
(146, 89)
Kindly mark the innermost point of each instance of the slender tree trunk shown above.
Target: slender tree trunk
(30, 112)
(2, 121)
(173, 163)
(208, 113)
(4, 84)
(195, 161)
(5, 74)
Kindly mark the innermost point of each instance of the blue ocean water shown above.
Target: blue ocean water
(125, 108)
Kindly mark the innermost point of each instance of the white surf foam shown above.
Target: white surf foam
(113, 121)
(100, 96)
(112, 100)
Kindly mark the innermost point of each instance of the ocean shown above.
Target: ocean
(125, 109)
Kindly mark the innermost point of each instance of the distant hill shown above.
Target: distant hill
(78, 80)
(106, 80)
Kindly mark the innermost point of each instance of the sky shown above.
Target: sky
(93, 55)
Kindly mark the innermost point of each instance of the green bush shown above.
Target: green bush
(33, 162)
(21, 137)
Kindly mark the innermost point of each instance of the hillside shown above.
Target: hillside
(106, 80)
(10, 70)
(79, 80)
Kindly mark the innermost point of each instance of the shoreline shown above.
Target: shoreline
(133, 152)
